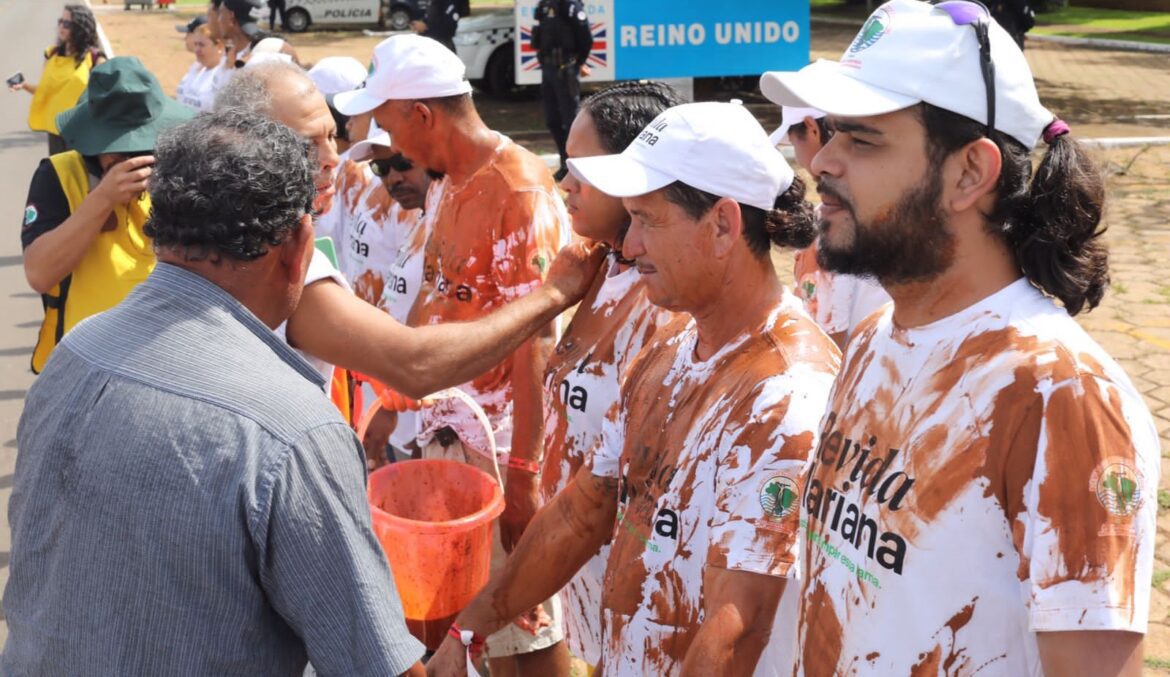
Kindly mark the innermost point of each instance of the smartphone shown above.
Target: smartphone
(16, 80)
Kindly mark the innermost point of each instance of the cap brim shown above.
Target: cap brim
(364, 150)
(182, 28)
(356, 102)
(780, 136)
(93, 137)
(619, 175)
(826, 85)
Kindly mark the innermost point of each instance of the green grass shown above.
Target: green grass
(1157, 663)
(1163, 499)
(1160, 577)
(1112, 24)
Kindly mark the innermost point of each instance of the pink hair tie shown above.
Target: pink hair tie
(1055, 129)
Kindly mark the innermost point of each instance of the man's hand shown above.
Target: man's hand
(535, 620)
(418, 26)
(586, 71)
(449, 661)
(124, 181)
(521, 501)
(574, 269)
(377, 436)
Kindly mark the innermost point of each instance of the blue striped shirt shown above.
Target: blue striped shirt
(187, 502)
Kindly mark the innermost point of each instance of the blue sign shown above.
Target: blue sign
(634, 39)
(697, 38)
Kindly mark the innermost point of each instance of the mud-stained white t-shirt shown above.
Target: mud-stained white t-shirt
(837, 302)
(978, 480)
(581, 384)
(712, 456)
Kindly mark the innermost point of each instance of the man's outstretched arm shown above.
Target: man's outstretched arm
(558, 542)
(334, 325)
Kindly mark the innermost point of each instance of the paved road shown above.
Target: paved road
(26, 28)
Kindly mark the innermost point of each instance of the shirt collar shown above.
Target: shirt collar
(177, 280)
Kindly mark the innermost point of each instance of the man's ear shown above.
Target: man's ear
(973, 175)
(812, 130)
(726, 220)
(426, 114)
(297, 250)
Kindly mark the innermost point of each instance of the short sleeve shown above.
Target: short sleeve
(531, 232)
(764, 454)
(1090, 510)
(605, 457)
(321, 566)
(47, 206)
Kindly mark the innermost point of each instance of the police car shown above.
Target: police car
(486, 43)
(392, 14)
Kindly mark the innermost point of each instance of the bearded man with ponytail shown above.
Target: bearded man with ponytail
(983, 494)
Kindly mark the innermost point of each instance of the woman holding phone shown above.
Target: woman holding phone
(67, 67)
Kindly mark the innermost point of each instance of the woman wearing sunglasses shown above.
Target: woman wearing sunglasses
(67, 67)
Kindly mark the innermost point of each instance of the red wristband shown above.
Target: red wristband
(528, 466)
(476, 644)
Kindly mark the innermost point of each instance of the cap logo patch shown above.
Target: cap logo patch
(877, 26)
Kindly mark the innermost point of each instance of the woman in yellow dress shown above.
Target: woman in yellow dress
(67, 67)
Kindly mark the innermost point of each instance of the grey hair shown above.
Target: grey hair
(249, 87)
(229, 184)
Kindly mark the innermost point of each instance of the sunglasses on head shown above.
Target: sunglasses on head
(64, 23)
(976, 15)
(398, 163)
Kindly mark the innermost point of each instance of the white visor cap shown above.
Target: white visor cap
(715, 147)
(910, 52)
(407, 67)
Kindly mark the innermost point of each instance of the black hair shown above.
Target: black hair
(456, 104)
(83, 35)
(620, 112)
(789, 223)
(799, 131)
(229, 184)
(1051, 218)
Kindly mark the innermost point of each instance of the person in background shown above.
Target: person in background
(67, 68)
(837, 302)
(83, 235)
(334, 75)
(983, 498)
(499, 224)
(188, 30)
(563, 42)
(612, 324)
(199, 86)
(236, 23)
(277, 7)
(185, 501)
(442, 21)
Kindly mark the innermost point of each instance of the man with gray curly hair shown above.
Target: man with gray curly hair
(185, 500)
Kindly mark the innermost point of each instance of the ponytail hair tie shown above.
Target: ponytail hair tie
(1055, 129)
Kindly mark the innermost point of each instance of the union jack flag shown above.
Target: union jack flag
(598, 57)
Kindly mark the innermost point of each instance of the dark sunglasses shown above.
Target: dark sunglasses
(976, 15)
(64, 23)
(381, 168)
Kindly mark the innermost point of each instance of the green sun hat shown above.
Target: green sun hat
(123, 110)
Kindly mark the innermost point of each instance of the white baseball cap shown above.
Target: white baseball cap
(715, 147)
(364, 150)
(793, 115)
(407, 67)
(909, 52)
(337, 74)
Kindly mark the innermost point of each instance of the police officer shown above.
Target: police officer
(562, 40)
(442, 20)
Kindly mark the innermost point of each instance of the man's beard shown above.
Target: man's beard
(909, 243)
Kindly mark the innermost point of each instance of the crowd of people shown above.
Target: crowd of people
(902, 457)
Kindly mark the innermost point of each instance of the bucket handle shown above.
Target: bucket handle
(448, 394)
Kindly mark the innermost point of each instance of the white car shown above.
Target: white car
(391, 14)
(485, 43)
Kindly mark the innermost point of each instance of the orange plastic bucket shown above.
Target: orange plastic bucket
(434, 520)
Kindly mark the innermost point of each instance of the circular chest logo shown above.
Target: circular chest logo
(30, 214)
(778, 497)
(873, 30)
